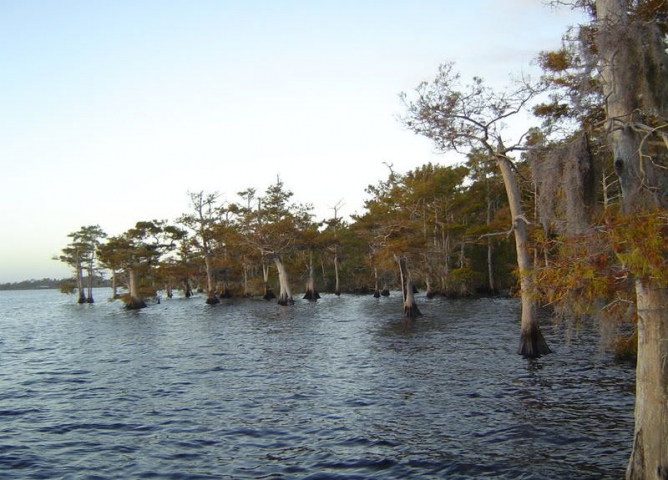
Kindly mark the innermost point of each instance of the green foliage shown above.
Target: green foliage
(574, 90)
(82, 249)
(556, 60)
(435, 216)
(430, 216)
(462, 282)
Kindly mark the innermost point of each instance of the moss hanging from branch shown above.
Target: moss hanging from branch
(564, 177)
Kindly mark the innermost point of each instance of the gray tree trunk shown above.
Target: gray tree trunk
(311, 293)
(626, 79)
(114, 284)
(246, 289)
(211, 297)
(285, 295)
(268, 293)
(135, 302)
(337, 287)
(91, 273)
(80, 282)
(490, 244)
(410, 306)
(532, 343)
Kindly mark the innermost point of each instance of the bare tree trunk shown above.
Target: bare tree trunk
(89, 295)
(623, 72)
(246, 290)
(311, 293)
(490, 267)
(430, 288)
(285, 295)
(337, 287)
(385, 292)
(376, 290)
(134, 302)
(649, 459)
(490, 244)
(187, 291)
(410, 306)
(532, 343)
(211, 297)
(268, 293)
(114, 284)
(80, 283)
(446, 262)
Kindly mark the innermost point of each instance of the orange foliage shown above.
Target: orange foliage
(602, 264)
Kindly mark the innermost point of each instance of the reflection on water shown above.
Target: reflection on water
(340, 388)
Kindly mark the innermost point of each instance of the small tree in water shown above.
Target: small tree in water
(273, 229)
(138, 252)
(460, 118)
(205, 214)
(410, 306)
(80, 254)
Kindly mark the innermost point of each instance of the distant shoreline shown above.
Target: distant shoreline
(43, 284)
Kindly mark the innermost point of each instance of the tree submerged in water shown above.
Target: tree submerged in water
(467, 117)
(137, 253)
(202, 220)
(81, 255)
(273, 229)
(411, 309)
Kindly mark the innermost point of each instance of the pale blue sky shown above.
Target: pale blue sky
(112, 110)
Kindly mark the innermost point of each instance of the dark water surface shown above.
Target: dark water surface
(341, 388)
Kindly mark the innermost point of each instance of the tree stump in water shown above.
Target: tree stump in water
(311, 295)
(412, 311)
(212, 300)
(135, 304)
(285, 300)
(268, 294)
(532, 343)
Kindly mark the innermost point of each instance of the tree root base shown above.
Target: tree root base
(212, 300)
(135, 304)
(532, 343)
(311, 295)
(285, 301)
(412, 311)
(269, 294)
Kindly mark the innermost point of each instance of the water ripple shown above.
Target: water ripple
(340, 388)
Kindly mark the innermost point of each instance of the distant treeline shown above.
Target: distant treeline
(46, 283)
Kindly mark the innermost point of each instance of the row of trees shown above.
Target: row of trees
(424, 226)
(584, 196)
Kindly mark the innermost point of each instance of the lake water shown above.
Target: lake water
(344, 387)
